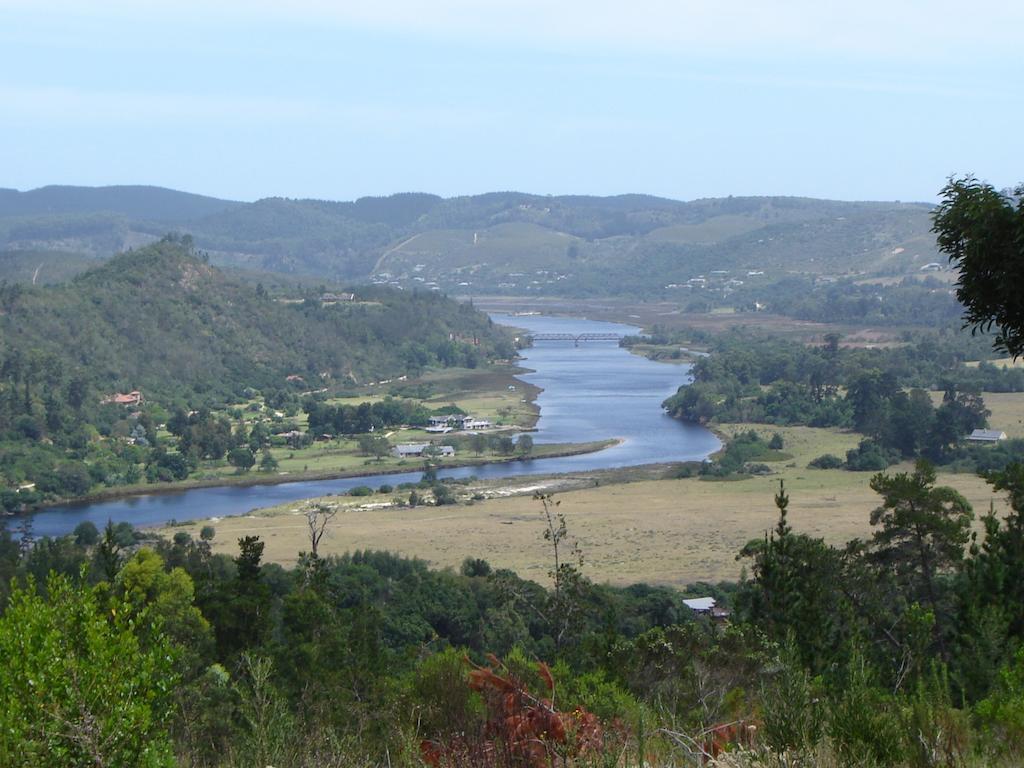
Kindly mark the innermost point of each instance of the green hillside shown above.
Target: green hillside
(163, 320)
(198, 345)
(137, 202)
(40, 267)
(500, 242)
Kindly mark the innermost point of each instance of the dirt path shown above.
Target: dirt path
(389, 252)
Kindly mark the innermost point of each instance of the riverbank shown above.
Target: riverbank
(587, 394)
(647, 314)
(633, 524)
(248, 480)
(494, 393)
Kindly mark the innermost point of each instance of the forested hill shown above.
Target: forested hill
(163, 320)
(501, 242)
(137, 202)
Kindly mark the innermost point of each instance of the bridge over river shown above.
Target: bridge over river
(575, 338)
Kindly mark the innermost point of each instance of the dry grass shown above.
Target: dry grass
(1004, 362)
(1007, 410)
(662, 531)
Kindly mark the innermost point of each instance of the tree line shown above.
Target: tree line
(132, 325)
(902, 649)
(879, 393)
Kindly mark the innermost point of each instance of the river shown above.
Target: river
(593, 391)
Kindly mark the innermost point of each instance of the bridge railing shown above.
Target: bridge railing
(575, 338)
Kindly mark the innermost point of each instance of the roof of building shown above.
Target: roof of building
(124, 398)
(418, 448)
(987, 434)
(700, 604)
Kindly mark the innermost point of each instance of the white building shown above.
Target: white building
(986, 436)
(406, 450)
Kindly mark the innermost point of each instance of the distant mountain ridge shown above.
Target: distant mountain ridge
(137, 202)
(498, 242)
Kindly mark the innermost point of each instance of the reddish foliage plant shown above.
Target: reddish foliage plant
(724, 737)
(522, 730)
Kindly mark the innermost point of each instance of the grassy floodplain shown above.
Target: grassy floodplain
(667, 531)
(633, 525)
(1007, 411)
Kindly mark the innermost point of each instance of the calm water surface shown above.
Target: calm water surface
(591, 392)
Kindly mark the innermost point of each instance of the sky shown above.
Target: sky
(337, 100)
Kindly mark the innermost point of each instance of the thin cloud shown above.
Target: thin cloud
(59, 103)
(912, 28)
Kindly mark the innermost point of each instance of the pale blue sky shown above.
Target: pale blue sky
(683, 99)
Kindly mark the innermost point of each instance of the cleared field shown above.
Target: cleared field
(662, 531)
(712, 230)
(514, 245)
(493, 394)
(1003, 362)
(1007, 411)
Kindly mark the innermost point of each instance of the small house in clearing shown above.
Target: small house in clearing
(447, 423)
(332, 298)
(441, 425)
(127, 399)
(707, 606)
(407, 450)
(986, 436)
(700, 604)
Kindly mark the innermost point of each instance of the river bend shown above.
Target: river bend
(593, 391)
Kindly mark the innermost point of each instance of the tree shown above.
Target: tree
(77, 687)
(86, 534)
(241, 433)
(982, 232)
(318, 516)
(992, 600)
(166, 596)
(909, 424)
(963, 411)
(475, 567)
(374, 445)
(924, 531)
(242, 458)
(267, 462)
(524, 445)
(794, 594)
(108, 552)
(443, 495)
(567, 578)
(870, 394)
(239, 608)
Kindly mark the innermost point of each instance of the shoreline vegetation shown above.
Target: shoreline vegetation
(771, 605)
(478, 387)
(674, 541)
(542, 451)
